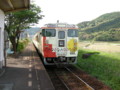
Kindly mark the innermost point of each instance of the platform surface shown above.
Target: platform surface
(25, 72)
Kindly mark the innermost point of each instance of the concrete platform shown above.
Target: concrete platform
(26, 72)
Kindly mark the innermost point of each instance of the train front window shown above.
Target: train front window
(61, 34)
(72, 33)
(49, 32)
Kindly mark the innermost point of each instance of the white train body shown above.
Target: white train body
(58, 43)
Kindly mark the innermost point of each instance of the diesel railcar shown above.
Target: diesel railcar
(58, 43)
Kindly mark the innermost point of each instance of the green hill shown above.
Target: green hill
(33, 30)
(104, 28)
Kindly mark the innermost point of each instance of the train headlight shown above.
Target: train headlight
(73, 59)
(49, 59)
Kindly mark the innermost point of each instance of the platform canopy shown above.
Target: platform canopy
(14, 5)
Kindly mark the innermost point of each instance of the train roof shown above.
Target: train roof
(60, 25)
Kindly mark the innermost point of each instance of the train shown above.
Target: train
(57, 43)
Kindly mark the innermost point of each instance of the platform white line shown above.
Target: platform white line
(30, 75)
(30, 69)
(29, 83)
(30, 63)
(30, 66)
(36, 73)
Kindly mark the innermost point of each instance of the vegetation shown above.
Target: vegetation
(103, 28)
(22, 44)
(17, 21)
(104, 66)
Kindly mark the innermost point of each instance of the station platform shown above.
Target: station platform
(26, 72)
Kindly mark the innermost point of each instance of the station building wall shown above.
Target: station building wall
(2, 15)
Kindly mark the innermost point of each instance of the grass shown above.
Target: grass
(104, 66)
(101, 46)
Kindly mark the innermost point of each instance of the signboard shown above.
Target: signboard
(61, 25)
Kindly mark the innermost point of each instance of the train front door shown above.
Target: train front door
(61, 43)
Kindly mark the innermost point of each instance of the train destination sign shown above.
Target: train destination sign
(61, 25)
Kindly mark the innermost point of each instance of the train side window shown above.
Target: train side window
(43, 32)
(72, 33)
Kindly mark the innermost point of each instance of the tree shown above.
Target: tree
(15, 22)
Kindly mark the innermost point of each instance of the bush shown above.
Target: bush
(22, 44)
(20, 47)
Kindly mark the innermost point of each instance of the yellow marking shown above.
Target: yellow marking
(72, 45)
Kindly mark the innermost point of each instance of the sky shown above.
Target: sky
(74, 11)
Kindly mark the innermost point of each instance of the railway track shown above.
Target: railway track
(69, 80)
(85, 86)
(57, 82)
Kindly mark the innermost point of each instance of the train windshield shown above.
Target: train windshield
(61, 34)
(49, 32)
(72, 33)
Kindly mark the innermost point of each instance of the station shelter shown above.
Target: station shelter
(7, 6)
